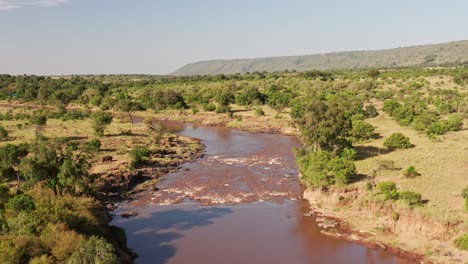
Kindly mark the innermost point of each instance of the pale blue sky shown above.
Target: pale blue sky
(157, 37)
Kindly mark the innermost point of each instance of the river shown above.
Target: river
(239, 204)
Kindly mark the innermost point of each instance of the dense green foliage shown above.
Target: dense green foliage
(139, 154)
(94, 250)
(397, 141)
(100, 120)
(38, 226)
(462, 242)
(3, 133)
(390, 192)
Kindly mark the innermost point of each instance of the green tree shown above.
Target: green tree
(94, 250)
(325, 125)
(57, 165)
(10, 158)
(38, 119)
(100, 120)
(127, 106)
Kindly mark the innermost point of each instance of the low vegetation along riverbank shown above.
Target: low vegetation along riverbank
(383, 156)
(62, 173)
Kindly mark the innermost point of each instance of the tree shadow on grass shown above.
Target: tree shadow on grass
(365, 152)
(153, 236)
(358, 177)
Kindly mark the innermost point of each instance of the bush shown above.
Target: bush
(462, 242)
(466, 204)
(21, 203)
(94, 250)
(464, 192)
(223, 109)
(139, 154)
(411, 198)
(324, 168)
(395, 216)
(259, 112)
(437, 128)
(209, 107)
(390, 106)
(455, 122)
(3, 133)
(397, 141)
(93, 146)
(370, 111)
(389, 190)
(361, 130)
(38, 119)
(411, 172)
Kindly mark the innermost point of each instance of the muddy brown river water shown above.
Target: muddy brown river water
(239, 204)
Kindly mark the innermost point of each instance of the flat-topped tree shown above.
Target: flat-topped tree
(127, 106)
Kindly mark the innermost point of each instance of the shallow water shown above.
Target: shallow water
(238, 204)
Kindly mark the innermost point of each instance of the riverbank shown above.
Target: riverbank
(113, 177)
(352, 213)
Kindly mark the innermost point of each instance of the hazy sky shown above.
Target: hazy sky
(157, 37)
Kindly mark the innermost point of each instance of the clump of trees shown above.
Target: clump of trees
(48, 219)
(325, 125)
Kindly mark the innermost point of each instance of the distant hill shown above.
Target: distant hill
(435, 54)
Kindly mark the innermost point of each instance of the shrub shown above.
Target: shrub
(38, 119)
(139, 154)
(93, 146)
(395, 216)
(361, 130)
(436, 128)
(195, 110)
(397, 141)
(3, 133)
(466, 204)
(411, 172)
(210, 107)
(223, 109)
(21, 203)
(94, 250)
(464, 192)
(259, 112)
(390, 106)
(389, 190)
(325, 168)
(462, 242)
(371, 111)
(411, 198)
(455, 122)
